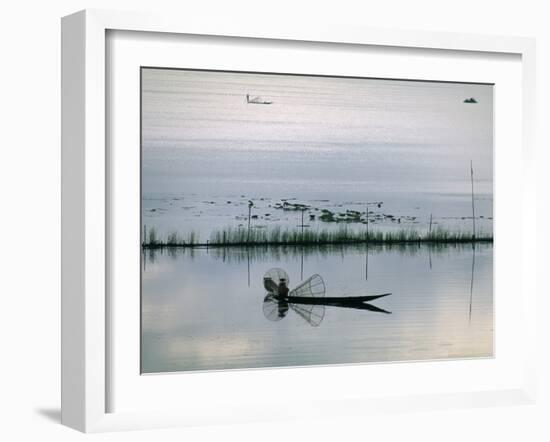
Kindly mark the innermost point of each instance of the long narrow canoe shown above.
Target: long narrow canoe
(331, 300)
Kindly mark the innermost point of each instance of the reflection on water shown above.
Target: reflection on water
(277, 253)
(472, 280)
(206, 308)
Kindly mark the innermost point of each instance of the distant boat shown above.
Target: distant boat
(470, 100)
(256, 100)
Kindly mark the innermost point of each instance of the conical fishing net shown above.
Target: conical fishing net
(311, 313)
(273, 277)
(314, 286)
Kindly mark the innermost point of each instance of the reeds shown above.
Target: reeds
(279, 236)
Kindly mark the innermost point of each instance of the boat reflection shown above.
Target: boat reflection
(308, 298)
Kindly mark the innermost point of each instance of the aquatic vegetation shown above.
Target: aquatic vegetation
(327, 216)
(173, 239)
(286, 206)
(241, 236)
(152, 239)
(354, 216)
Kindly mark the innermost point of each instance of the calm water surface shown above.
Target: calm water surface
(204, 309)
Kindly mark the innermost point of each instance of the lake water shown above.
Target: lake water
(204, 309)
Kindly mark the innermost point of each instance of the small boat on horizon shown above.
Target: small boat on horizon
(470, 100)
(256, 100)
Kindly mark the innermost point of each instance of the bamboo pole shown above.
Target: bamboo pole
(367, 263)
(473, 207)
(367, 222)
(249, 214)
(303, 210)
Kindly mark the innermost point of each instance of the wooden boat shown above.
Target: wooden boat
(308, 298)
(256, 100)
(332, 300)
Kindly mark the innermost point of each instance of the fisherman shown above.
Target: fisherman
(282, 289)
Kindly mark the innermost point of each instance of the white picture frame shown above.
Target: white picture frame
(86, 204)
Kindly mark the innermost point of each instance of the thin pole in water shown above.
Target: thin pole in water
(248, 260)
(472, 281)
(144, 234)
(429, 245)
(367, 263)
(367, 207)
(250, 204)
(378, 204)
(303, 210)
(473, 209)
(302, 265)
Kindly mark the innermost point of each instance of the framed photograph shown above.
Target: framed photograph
(257, 223)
